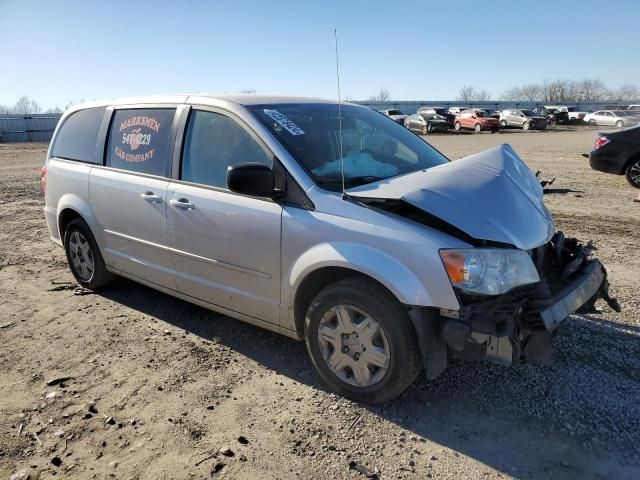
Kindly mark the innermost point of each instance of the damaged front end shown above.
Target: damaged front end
(518, 325)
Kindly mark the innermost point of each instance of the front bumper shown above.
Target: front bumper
(577, 293)
(519, 325)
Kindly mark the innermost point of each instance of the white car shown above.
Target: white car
(613, 118)
(355, 236)
(573, 113)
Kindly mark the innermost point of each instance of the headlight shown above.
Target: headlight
(491, 271)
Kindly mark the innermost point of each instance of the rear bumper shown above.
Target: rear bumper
(599, 160)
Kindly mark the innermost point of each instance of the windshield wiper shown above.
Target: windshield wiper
(350, 181)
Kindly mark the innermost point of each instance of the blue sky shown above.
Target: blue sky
(72, 50)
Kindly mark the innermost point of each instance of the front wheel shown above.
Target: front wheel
(429, 127)
(477, 128)
(526, 126)
(425, 129)
(632, 173)
(503, 124)
(84, 257)
(619, 124)
(592, 123)
(457, 126)
(361, 341)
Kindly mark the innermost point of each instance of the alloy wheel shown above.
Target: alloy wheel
(634, 174)
(354, 346)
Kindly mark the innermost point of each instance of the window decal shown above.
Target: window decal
(284, 122)
(137, 133)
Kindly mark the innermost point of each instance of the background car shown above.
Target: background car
(395, 114)
(522, 118)
(615, 118)
(457, 110)
(618, 153)
(476, 119)
(553, 115)
(442, 111)
(426, 123)
(574, 114)
(634, 108)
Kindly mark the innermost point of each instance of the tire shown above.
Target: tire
(425, 129)
(503, 124)
(592, 122)
(553, 122)
(84, 257)
(478, 128)
(457, 126)
(429, 128)
(632, 173)
(397, 356)
(619, 124)
(526, 126)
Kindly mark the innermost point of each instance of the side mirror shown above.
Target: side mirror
(255, 179)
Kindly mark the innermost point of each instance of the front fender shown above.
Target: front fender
(395, 276)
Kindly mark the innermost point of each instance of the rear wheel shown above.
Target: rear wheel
(553, 122)
(361, 341)
(592, 122)
(633, 173)
(425, 129)
(84, 257)
(503, 124)
(457, 126)
(619, 124)
(477, 128)
(429, 127)
(526, 126)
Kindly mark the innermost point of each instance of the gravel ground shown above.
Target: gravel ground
(155, 388)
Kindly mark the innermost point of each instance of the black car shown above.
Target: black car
(618, 153)
(553, 115)
(442, 111)
(426, 123)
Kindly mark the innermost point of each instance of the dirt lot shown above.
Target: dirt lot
(155, 388)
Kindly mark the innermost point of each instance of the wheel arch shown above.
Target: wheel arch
(71, 207)
(308, 276)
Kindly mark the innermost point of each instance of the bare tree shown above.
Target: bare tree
(382, 96)
(248, 90)
(5, 110)
(55, 109)
(26, 105)
(626, 92)
(469, 94)
(466, 93)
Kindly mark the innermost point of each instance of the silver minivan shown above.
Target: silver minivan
(326, 222)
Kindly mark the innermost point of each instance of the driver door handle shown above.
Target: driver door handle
(182, 203)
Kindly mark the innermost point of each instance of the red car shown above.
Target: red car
(476, 119)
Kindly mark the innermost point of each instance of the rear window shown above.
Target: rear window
(78, 135)
(139, 140)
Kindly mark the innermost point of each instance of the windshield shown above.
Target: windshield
(373, 147)
(480, 113)
(528, 113)
(394, 112)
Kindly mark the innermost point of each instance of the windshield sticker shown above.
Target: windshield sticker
(134, 138)
(284, 122)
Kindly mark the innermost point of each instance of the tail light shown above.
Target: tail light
(601, 141)
(43, 173)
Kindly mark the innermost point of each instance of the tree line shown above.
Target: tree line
(26, 105)
(588, 90)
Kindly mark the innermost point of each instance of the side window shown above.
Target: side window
(78, 135)
(139, 140)
(214, 142)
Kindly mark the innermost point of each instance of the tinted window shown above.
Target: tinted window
(139, 140)
(213, 143)
(78, 135)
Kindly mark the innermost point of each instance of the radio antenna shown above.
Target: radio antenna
(335, 36)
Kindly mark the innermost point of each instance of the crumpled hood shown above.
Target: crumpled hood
(490, 195)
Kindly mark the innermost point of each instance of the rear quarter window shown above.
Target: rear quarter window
(78, 136)
(139, 140)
